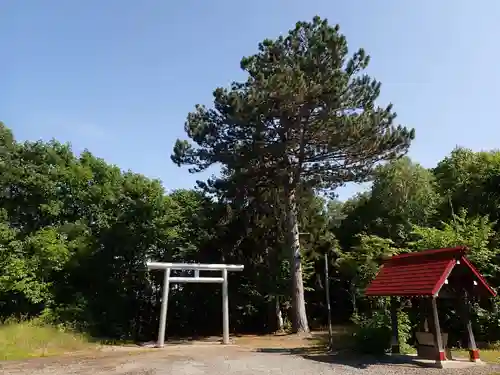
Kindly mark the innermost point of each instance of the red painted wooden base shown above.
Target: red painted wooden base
(442, 356)
(474, 355)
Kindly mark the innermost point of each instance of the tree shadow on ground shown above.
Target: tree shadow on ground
(345, 357)
(341, 353)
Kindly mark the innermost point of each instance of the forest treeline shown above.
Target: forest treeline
(76, 232)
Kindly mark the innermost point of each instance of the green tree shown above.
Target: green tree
(403, 194)
(305, 115)
(473, 232)
(358, 214)
(469, 180)
(359, 266)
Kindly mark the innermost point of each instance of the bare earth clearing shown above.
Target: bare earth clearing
(278, 355)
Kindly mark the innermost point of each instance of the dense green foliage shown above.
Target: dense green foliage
(76, 232)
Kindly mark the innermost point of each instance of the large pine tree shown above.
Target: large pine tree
(305, 115)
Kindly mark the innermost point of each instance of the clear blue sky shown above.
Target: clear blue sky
(119, 76)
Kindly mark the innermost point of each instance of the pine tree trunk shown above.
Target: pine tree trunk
(279, 316)
(299, 316)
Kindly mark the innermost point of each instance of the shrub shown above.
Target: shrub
(374, 332)
(487, 322)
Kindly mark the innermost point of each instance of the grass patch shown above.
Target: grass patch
(20, 340)
(487, 355)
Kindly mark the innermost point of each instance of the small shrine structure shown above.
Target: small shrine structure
(428, 276)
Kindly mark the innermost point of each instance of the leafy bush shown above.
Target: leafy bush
(75, 317)
(404, 332)
(487, 322)
(373, 335)
(374, 332)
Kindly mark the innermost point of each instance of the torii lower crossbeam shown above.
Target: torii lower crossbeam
(167, 267)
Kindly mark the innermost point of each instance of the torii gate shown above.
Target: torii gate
(197, 267)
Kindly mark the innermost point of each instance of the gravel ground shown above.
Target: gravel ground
(214, 360)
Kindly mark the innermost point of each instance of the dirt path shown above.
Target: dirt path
(214, 360)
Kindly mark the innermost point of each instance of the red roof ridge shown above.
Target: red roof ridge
(451, 251)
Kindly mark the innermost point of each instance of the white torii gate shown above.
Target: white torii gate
(167, 267)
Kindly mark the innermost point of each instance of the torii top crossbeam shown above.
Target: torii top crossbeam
(194, 266)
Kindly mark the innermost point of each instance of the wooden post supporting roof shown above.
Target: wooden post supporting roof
(466, 318)
(395, 332)
(438, 338)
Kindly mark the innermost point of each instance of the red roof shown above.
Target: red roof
(421, 273)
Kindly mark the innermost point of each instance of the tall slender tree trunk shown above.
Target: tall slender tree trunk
(299, 315)
(353, 297)
(280, 324)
